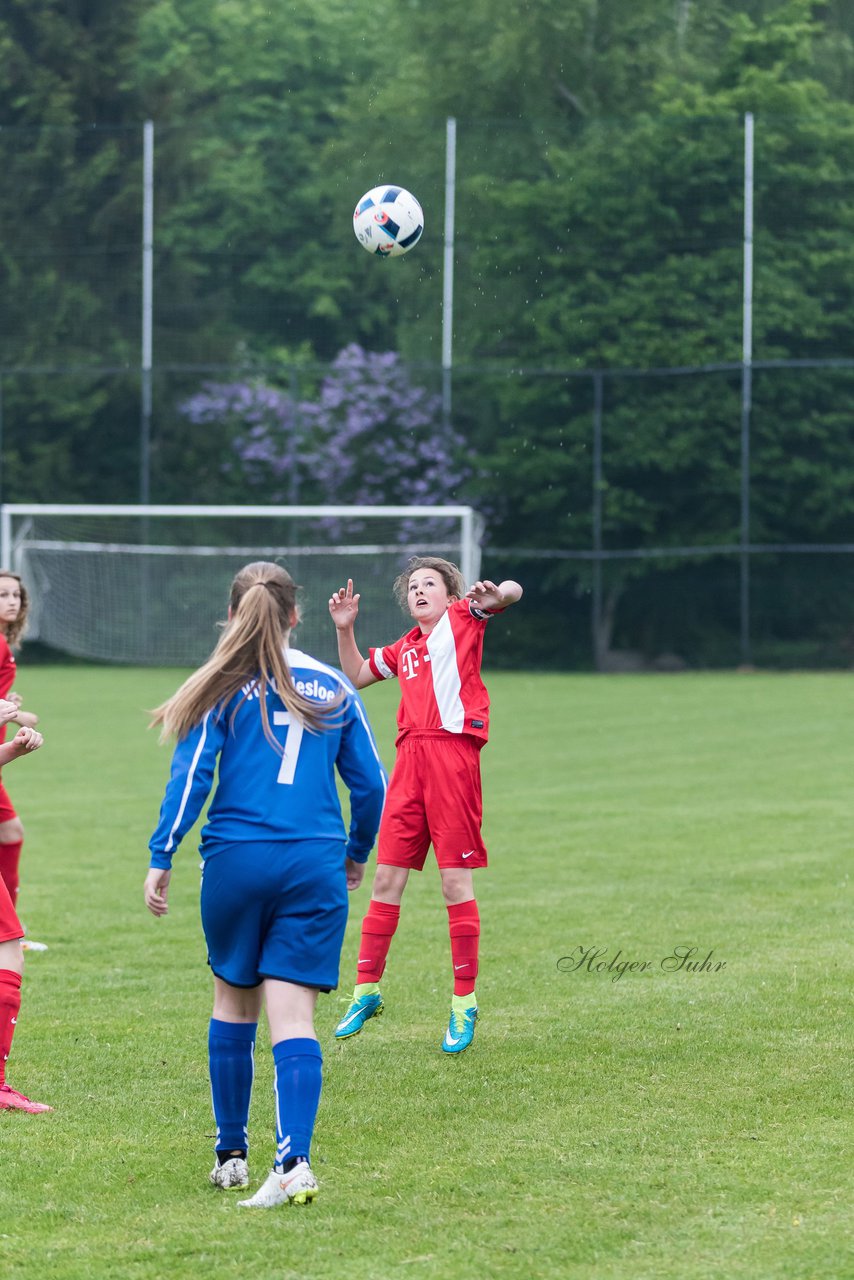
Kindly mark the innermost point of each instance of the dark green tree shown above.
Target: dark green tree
(625, 252)
(69, 256)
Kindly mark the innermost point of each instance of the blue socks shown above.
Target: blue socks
(231, 1057)
(297, 1063)
(297, 1091)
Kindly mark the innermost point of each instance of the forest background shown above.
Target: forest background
(598, 270)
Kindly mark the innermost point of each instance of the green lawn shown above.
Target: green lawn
(649, 1125)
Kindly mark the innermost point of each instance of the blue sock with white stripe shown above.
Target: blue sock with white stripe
(231, 1059)
(298, 1065)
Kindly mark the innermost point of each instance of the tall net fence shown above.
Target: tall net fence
(658, 511)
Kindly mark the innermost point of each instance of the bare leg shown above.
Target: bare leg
(457, 885)
(389, 884)
(290, 1010)
(236, 1004)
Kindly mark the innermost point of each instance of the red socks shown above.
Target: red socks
(464, 926)
(10, 856)
(378, 929)
(10, 1003)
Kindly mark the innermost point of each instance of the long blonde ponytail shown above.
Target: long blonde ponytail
(262, 610)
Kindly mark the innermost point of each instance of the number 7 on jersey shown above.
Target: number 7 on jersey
(293, 741)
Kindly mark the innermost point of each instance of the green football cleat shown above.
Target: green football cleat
(460, 1031)
(364, 1007)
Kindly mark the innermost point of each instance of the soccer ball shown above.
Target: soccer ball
(388, 221)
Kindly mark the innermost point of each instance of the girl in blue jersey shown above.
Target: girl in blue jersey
(277, 862)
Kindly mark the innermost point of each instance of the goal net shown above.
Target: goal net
(149, 585)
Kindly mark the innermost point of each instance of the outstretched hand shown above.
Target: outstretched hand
(487, 595)
(344, 606)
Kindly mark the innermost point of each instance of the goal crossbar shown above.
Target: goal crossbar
(148, 585)
(468, 517)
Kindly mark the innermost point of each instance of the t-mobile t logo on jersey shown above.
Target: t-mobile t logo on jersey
(409, 663)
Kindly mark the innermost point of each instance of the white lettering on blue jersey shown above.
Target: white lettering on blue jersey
(293, 739)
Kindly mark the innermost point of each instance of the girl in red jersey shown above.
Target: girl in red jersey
(14, 606)
(434, 795)
(11, 933)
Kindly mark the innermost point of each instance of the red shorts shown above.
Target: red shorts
(10, 925)
(434, 797)
(7, 810)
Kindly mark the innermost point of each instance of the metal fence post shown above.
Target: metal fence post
(746, 389)
(448, 265)
(596, 615)
(147, 306)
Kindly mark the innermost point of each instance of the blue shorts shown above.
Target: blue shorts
(275, 910)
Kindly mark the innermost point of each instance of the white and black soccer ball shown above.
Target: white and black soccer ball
(388, 221)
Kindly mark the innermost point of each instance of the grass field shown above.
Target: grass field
(645, 1124)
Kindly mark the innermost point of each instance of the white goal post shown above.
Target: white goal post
(148, 585)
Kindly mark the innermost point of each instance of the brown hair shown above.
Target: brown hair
(262, 610)
(448, 572)
(15, 629)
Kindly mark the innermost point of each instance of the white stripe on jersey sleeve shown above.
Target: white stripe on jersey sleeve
(188, 787)
(382, 666)
(446, 676)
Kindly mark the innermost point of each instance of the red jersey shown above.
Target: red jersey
(439, 673)
(7, 676)
(7, 667)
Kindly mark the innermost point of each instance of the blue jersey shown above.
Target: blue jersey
(262, 794)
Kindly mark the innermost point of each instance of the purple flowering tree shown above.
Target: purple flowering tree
(380, 438)
(372, 437)
(267, 435)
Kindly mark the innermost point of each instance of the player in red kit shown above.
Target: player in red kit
(25, 741)
(434, 795)
(14, 605)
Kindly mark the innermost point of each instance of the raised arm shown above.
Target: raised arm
(344, 609)
(486, 595)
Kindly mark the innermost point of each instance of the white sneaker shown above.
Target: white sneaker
(297, 1186)
(233, 1175)
(29, 945)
